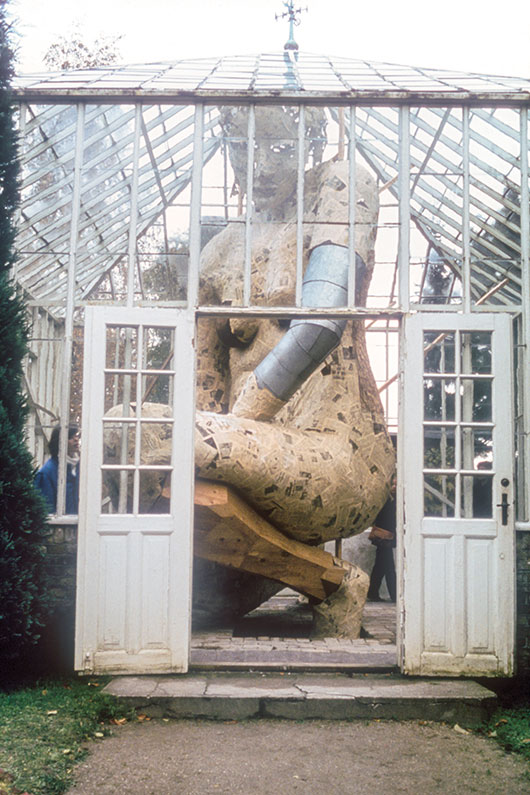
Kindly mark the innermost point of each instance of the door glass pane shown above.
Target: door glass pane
(477, 491)
(119, 440)
(477, 448)
(159, 348)
(476, 400)
(121, 347)
(120, 394)
(476, 352)
(155, 491)
(157, 388)
(439, 398)
(117, 491)
(439, 352)
(438, 448)
(156, 443)
(439, 495)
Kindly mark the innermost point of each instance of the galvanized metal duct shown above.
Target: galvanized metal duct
(308, 342)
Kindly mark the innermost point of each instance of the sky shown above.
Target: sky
(485, 36)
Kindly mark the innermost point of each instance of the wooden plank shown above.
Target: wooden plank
(230, 532)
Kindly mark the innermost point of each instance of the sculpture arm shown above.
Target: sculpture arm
(307, 342)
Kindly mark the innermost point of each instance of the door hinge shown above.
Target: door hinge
(88, 662)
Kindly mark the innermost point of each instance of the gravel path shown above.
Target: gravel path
(266, 757)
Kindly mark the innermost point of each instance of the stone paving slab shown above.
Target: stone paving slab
(299, 696)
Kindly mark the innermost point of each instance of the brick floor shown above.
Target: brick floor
(276, 636)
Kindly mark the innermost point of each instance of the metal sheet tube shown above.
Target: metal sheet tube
(308, 342)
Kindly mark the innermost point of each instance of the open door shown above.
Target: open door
(135, 513)
(457, 609)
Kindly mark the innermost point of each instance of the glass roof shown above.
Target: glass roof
(285, 72)
(161, 94)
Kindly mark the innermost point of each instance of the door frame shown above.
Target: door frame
(112, 616)
(413, 658)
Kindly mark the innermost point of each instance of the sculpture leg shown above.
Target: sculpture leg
(229, 532)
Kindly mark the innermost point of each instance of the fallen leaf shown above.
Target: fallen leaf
(459, 729)
(44, 692)
(492, 734)
(98, 734)
(502, 720)
(52, 712)
(93, 684)
(523, 742)
(118, 721)
(143, 717)
(67, 750)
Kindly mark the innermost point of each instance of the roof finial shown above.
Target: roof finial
(292, 15)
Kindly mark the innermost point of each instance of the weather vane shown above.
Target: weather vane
(292, 14)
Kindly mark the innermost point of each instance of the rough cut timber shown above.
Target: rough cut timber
(230, 532)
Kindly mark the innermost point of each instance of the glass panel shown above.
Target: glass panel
(157, 390)
(477, 491)
(477, 448)
(476, 400)
(495, 205)
(164, 273)
(439, 495)
(156, 443)
(439, 399)
(121, 347)
(439, 448)
(155, 491)
(439, 352)
(120, 394)
(476, 352)
(117, 491)
(159, 348)
(118, 442)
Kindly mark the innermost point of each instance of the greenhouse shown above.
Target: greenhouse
(248, 273)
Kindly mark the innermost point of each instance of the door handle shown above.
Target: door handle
(503, 505)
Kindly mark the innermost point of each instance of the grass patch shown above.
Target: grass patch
(44, 731)
(510, 726)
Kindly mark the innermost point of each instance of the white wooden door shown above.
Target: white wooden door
(457, 609)
(135, 512)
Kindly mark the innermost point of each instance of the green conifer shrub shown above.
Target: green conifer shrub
(22, 512)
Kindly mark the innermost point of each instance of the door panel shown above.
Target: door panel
(458, 534)
(135, 514)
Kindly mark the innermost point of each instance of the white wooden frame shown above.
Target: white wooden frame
(456, 617)
(134, 570)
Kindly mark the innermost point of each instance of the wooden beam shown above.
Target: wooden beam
(230, 532)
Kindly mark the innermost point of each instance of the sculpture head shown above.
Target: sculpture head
(275, 149)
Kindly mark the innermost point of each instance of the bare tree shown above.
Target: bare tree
(75, 52)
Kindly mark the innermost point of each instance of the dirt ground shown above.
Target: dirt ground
(267, 757)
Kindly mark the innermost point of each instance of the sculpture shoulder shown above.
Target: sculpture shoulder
(222, 265)
(334, 176)
(326, 203)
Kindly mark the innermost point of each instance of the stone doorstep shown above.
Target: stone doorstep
(299, 696)
(216, 652)
(372, 658)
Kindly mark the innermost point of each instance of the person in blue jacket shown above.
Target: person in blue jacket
(47, 476)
